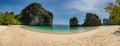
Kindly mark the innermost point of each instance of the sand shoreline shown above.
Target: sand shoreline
(16, 36)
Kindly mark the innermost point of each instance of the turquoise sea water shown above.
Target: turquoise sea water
(58, 28)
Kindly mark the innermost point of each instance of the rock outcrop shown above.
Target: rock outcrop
(91, 20)
(35, 14)
(107, 21)
(74, 22)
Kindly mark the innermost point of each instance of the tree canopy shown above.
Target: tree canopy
(1, 18)
(114, 11)
(8, 18)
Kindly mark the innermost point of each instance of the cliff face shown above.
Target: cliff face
(74, 22)
(92, 20)
(35, 14)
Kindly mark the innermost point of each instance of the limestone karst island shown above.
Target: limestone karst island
(59, 22)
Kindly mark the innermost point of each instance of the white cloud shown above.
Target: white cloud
(87, 5)
(92, 6)
(84, 5)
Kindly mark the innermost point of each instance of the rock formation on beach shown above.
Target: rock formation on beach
(35, 14)
(74, 22)
(91, 20)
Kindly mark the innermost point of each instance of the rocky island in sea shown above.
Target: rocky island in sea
(74, 22)
(35, 14)
(91, 20)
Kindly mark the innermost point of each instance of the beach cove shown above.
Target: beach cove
(14, 35)
(59, 29)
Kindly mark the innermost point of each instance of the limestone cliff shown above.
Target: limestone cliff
(35, 14)
(74, 22)
(91, 20)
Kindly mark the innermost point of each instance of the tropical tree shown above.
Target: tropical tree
(9, 19)
(114, 11)
(1, 18)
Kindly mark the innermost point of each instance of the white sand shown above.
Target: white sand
(2, 28)
(16, 36)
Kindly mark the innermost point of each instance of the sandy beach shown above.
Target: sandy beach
(16, 36)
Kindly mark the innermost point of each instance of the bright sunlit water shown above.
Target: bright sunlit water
(58, 28)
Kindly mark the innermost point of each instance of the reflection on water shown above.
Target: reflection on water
(58, 28)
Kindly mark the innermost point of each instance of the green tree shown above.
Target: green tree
(9, 19)
(114, 11)
(18, 17)
(1, 18)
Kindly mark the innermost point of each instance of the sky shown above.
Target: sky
(62, 10)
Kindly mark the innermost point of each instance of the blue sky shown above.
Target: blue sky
(63, 10)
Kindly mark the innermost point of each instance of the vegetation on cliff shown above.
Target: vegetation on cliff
(35, 14)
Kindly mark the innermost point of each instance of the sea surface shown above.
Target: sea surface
(58, 28)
